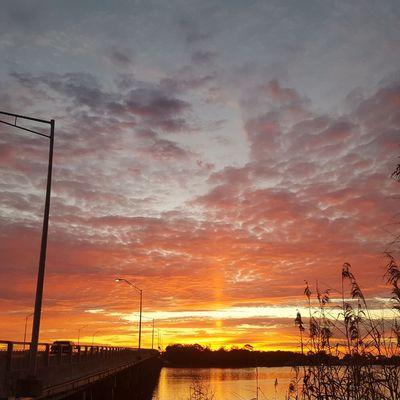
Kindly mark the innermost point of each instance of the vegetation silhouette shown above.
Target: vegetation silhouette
(195, 355)
(367, 344)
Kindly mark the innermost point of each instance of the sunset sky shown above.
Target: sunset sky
(215, 153)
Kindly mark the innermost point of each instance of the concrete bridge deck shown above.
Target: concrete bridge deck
(64, 372)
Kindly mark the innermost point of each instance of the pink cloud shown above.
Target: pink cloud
(315, 193)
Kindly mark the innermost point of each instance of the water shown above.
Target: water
(224, 383)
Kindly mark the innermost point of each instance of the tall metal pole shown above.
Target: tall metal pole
(94, 334)
(42, 261)
(140, 318)
(152, 337)
(26, 324)
(79, 332)
(141, 305)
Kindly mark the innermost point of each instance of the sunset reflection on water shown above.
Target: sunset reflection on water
(224, 383)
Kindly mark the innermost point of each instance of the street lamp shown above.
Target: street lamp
(43, 247)
(26, 323)
(94, 334)
(152, 336)
(141, 303)
(79, 332)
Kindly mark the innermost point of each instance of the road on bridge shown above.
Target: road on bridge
(65, 371)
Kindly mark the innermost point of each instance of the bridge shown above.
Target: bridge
(77, 372)
(36, 370)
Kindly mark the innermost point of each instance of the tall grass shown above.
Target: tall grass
(199, 390)
(358, 351)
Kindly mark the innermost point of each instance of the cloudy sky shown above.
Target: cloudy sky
(215, 153)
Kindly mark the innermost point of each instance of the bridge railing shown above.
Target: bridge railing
(14, 356)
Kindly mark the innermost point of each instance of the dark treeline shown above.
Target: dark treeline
(195, 355)
(198, 356)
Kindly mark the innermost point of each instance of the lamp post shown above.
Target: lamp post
(79, 332)
(152, 337)
(26, 323)
(94, 334)
(141, 304)
(43, 248)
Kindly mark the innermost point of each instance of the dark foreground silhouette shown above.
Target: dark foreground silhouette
(195, 355)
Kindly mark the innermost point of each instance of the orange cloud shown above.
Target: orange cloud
(314, 193)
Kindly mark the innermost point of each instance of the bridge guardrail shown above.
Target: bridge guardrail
(70, 362)
(15, 355)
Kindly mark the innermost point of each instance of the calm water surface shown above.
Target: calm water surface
(225, 383)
